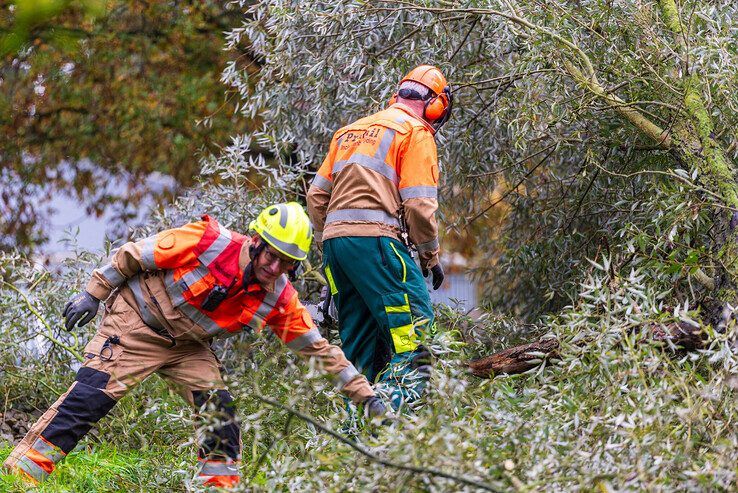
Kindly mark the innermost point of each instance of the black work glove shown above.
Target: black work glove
(81, 308)
(438, 276)
(374, 407)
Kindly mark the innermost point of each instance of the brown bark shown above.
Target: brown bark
(522, 358)
(683, 335)
(515, 359)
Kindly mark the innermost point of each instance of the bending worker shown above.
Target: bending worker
(381, 176)
(172, 293)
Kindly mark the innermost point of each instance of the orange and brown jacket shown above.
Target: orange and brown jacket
(378, 169)
(166, 278)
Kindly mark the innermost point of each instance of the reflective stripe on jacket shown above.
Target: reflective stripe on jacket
(375, 168)
(167, 277)
(194, 259)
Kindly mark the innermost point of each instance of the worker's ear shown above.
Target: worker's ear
(257, 245)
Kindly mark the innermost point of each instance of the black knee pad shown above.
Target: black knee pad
(84, 406)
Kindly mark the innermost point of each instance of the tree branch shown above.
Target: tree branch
(49, 334)
(371, 456)
(586, 77)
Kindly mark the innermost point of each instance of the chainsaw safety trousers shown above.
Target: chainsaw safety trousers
(380, 172)
(384, 309)
(121, 355)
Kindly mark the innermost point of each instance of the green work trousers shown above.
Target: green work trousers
(383, 309)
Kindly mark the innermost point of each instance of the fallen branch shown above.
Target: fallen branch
(522, 358)
(371, 456)
(516, 359)
(684, 335)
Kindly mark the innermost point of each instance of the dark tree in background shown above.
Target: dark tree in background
(95, 90)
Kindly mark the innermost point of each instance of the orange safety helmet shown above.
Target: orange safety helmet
(438, 106)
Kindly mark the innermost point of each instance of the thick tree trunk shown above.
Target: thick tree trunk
(694, 144)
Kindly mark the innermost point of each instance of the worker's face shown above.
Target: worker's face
(270, 264)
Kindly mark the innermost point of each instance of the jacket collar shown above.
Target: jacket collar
(410, 112)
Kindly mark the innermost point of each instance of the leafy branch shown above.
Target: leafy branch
(370, 455)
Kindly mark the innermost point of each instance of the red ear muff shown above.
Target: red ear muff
(392, 100)
(436, 107)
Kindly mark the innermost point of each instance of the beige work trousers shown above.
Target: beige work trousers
(122, 354)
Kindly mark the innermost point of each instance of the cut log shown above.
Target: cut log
(683, 335)
(514, 360)
(520, 359)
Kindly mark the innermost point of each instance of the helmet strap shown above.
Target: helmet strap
(248, 272)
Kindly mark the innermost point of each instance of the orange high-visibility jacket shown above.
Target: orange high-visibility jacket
(167, 277)
(376, 168)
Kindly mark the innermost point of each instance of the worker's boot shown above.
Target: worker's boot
(220, 447)
(219, 474)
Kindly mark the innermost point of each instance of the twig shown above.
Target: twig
(581, 200)
(50, 334)
(514, 76)
(371, 456)
(463, 41)
(399, 42)
(264, 454)
(500, 170)
(514, 188)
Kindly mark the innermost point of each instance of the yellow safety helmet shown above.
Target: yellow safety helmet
(286, 227)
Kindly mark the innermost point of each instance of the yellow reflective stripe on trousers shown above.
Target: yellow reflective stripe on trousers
(404, 337)
(331, 282)
(404, 268)
(400, 308)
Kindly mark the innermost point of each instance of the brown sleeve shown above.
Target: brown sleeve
(422, 228)
(350, 382)
(165, 250)
(418, 187)
(319, 194)
(125, 263)
(294, 326)
(317, 205)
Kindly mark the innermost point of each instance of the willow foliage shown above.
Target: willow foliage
(562, 116)
(580, 165)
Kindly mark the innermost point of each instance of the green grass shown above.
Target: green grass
(106, 469)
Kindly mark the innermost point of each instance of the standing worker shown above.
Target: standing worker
(381, 176)
(173, 293)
